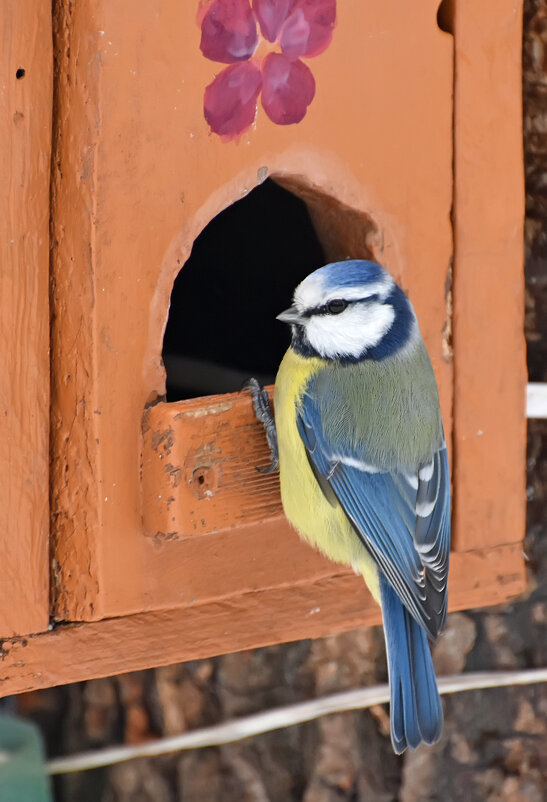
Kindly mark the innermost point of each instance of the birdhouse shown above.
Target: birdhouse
(205, 157)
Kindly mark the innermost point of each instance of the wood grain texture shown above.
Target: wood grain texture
(72, 653)
(25, 153)
(488, 287)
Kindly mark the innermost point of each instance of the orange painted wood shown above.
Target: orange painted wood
(488, 286)
(25, 152)
(137, 176)
(72, 653)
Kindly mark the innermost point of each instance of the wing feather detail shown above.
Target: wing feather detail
(401, 518)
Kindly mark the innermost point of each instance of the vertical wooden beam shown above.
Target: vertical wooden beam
(25, 153)
(75, 503)
(490, 372)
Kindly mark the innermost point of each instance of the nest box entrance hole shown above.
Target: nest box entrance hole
(241, 273)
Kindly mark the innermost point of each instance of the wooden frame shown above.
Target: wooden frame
(194, 596)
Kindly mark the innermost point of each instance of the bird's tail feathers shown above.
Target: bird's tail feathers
(416, 710)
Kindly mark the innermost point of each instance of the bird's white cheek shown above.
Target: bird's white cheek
(350, 333)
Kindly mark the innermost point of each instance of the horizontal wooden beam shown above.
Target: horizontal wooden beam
(74, 652)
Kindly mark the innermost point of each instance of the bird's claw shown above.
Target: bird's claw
(263, 411)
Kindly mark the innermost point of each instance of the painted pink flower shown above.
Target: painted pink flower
(230, 33)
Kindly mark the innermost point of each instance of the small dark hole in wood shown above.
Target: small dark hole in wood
(20, 73)
(201, 479)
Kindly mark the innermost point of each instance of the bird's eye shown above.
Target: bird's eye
(336, 306)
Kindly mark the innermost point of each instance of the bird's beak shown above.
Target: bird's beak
(290, 315)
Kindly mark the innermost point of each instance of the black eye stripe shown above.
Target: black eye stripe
(340, 305)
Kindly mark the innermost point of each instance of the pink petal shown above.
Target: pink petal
(288, 88)
(271, 14)
(229, 103)
(308, 30)
(228, 31)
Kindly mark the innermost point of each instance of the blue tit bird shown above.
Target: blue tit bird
(363, 464)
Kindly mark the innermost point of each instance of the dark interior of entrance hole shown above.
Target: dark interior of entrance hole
(241, 273)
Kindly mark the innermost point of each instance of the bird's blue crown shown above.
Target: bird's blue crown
(351, 273)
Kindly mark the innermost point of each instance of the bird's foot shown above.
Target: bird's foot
(263, 411)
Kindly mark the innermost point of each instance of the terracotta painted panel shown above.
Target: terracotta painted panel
(490, 366)
(138, 176)
(25, 150)
(76, 652)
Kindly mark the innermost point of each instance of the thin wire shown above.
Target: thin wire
(280, 717)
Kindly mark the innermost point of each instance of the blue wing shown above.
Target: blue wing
(403, 520)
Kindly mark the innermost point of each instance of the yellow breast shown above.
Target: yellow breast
(317, 521)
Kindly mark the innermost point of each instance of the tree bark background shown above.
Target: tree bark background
(494, 745)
